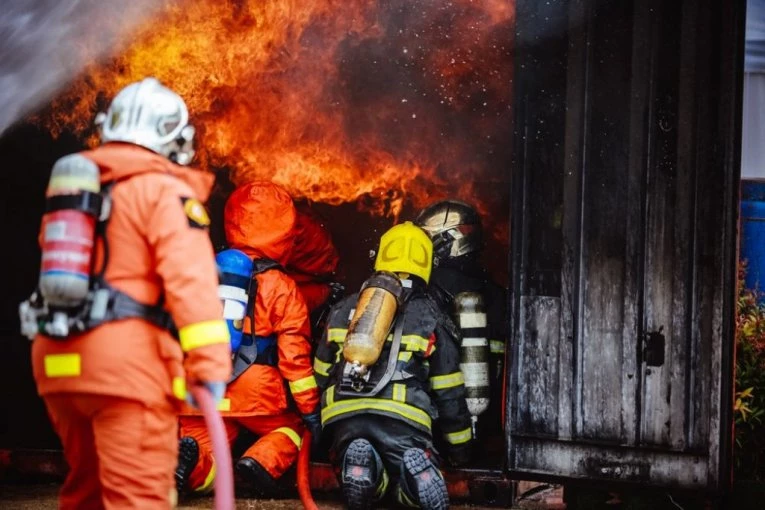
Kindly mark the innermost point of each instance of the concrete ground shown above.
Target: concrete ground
(43, 497)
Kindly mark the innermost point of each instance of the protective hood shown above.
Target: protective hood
(120, 160)
(258, 220)
(314, 255)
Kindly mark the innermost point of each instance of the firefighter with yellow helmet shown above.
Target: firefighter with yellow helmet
(388, 365)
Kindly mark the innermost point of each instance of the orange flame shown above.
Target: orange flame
(337, 100)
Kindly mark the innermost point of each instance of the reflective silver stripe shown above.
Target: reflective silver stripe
(474, 342)
(472, 320)
(475, 374)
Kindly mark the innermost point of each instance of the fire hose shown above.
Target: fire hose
(303, 474)
(224, 479)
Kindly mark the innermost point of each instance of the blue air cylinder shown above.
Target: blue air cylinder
(235, 276)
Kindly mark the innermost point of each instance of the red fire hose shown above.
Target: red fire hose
(303, 475)
(224, 478)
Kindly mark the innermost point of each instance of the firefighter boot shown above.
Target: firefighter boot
(421, 484)
(259, 480)
(188, 456)
(364, 479)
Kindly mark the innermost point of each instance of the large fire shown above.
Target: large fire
(376, 102)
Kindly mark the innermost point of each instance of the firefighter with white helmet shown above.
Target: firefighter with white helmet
(127, 312)
(388, 364)
(464, 290)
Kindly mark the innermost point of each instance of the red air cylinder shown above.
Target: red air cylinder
(68, 233)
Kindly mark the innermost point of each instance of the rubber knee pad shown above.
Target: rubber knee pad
(259, 479)
(188, 456)
(421, 484)
(364, 479)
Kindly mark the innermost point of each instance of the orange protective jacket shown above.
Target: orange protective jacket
(156, 248)
(258, 220)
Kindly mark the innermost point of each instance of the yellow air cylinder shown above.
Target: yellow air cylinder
(371, 322)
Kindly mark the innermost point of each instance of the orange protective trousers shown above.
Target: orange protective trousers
(276, 449)
(121, 453)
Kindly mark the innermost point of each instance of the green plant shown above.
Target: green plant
(749, 408)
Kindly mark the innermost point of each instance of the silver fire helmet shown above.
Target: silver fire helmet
(453, 226)
(151, 115)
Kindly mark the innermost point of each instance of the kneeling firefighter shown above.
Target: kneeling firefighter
(126, 265)
(269, 319)
(388, 364)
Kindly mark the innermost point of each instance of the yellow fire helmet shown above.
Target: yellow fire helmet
(405, 248)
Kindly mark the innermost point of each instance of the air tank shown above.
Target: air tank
(470, 313)
(235, 269)
(372, 319)
(68, 231)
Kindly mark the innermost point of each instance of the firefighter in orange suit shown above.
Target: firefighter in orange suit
(259, 218)
(111, 378)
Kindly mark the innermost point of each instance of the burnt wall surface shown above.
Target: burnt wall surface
(624, 240)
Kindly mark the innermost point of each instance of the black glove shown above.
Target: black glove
(337, 291)
(460, 455)
(313, 424)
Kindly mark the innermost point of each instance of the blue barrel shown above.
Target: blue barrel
(753, 233)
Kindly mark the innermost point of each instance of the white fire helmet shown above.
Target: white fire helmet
(151, 115)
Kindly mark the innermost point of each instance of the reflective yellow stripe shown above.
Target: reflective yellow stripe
(399, 392)
(63, 365)
(404, 355)
(404, 499)
(179, 388)
(330, 395)
(415, 342)
(202, 334)
(208, 483)
(359, 404)
(463, 436)
(320, 367)
(496, 346)
(383, 486)
(338, 355)
(304, 384)
(290, 434)
(224, 404)
(336, 335)
(442, 382)
(74, 182)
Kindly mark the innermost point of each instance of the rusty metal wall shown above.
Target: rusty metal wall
(624, 239)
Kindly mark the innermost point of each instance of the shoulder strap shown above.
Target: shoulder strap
(258, 266)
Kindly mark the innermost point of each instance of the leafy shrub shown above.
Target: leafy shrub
(749, 409)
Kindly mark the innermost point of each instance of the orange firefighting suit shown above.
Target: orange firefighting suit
(110, 391)
(258, 220)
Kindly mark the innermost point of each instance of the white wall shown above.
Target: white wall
(753, 135)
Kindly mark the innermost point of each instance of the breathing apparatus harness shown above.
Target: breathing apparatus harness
(255, 350)
(103, 302)
(355, 384)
